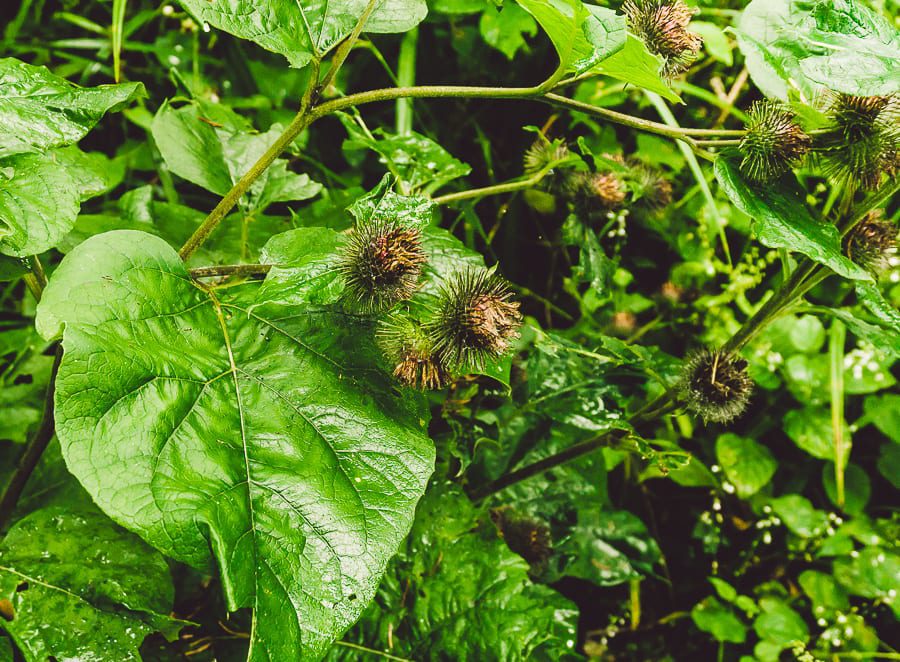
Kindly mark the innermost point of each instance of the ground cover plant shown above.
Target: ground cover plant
(449, 330)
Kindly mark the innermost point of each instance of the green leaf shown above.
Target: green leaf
(782, 220)
(780, 624)
(40, 199)
(609, 548)
(213, 148)
(725, 590)
(636, 65)
(38, 204)
(883, 411)
(303, 31)
(748, 465)
(718, 620)
(871, 297)
(889, 464)
(466, 596)
(811, 429)
(872, 573)
(419, 162)
(506, 30)
(583, 35)
(39, 110)
(799, 516)
(223, 426)
(80, 586)
(715, 41)
(886, 339)
(797, 48)
(823, 591)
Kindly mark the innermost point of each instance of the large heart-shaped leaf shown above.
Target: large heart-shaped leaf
(219, 423)
(39, 110)
(800, 47)
(782, 220)
(78, 587)
(304, 29)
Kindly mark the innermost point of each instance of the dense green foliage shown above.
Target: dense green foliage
(449, 330)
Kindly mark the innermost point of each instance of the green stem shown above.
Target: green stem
(33, 450)
(838, 336)
(36, 281)
(309, 114)
(496, 189)
(299, 123)
(231, 270)
(346, 46)
(406, 77)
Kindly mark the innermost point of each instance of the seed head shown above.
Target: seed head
(716, 386)
(862, 141)
(475, 319)
(528, 537)
(662, 25)
(653, 189)
(407, 346)
(604, 189)
(774, 142)
(542, 153)
(381, 263)
(872, 242)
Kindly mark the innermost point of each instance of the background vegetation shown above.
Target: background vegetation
(211, 441)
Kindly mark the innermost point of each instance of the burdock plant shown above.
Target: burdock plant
(716, 385)
(872, 242)
(862, 141)
(381, 264)
(408, 348)
(475, 319)
(774, 142)
(663, 27)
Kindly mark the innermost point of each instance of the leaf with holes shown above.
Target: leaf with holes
(223, 426)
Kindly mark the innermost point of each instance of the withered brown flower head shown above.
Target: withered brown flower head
(716, 386)
(774, 142)
(475, 319)
(528, 537)
(605, 189)
(381, 263)
(653, 188)
(663, 27)
(872, 242)
(406, 345)
(861, 144)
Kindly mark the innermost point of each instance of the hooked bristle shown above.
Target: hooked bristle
(716, 386)
(774, 142)
(861, 144)
(663, 27)
(381, 264)
(872, 243)
(407, 347)
(475, 319)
